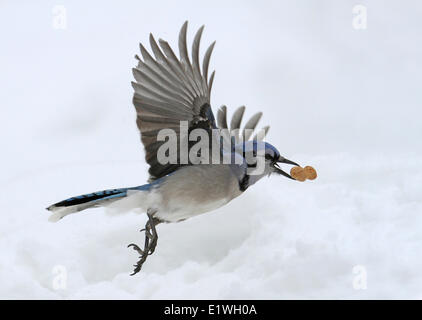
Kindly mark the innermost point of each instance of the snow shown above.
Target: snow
(346, 102)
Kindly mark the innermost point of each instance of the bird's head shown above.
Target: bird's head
(264, 152)
(273, 158)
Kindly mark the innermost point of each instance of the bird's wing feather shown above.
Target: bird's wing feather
(235, 124)
(169, 90)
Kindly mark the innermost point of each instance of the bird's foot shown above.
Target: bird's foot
(151, 238)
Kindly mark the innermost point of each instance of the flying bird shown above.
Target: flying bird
(172, 96)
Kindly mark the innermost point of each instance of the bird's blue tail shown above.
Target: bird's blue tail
(95, 199)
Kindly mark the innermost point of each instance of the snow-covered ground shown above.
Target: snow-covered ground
(281, 239)
(345, 101)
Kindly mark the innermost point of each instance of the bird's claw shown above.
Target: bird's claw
(136, 248)
(151, 238)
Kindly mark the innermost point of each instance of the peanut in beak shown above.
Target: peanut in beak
(301, 174)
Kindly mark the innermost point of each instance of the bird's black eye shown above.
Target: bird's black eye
(268, 157)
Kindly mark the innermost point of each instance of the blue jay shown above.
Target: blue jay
(168, 91)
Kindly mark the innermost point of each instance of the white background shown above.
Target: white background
(346, 101)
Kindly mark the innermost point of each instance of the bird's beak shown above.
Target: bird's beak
(278, 169)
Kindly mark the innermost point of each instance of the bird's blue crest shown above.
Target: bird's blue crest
(254, 146)
(270, 148)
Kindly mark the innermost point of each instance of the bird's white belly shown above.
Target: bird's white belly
(177, 211)
(194, 190)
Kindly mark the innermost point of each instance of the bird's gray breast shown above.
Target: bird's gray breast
(193, 190)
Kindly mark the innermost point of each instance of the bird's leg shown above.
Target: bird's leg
(151, 238)
(152, 235)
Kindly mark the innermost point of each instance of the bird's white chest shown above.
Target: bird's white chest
(176, 210)
(195, 190)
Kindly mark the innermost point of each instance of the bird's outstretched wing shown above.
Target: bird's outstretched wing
(235, 129)
(169, 90)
